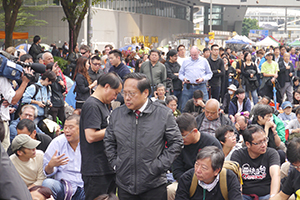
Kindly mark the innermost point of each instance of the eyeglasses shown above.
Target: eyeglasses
(83, 52)
(97, 64)
(262, 142)
(129, 94)
(184, 136)
(203, 167)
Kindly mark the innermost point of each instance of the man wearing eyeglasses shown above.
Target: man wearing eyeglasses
(260, 165)
(95, 70)
(193, 142)
(135, 141)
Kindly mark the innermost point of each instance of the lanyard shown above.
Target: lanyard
(204, 190)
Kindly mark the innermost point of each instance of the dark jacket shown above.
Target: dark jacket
(279, 60)
(57, 90)
(223, 119)
(233, 107)
(171, 69)
(35, 50)
(121, 70)
(216, 65)
(135, 148)
(283, 74)
(82, 88)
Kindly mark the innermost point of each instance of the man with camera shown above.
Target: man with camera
(38, 94)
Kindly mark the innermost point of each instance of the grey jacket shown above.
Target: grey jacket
(136, 147)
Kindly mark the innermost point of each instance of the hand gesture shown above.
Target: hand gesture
(58, 160)
(40, 104)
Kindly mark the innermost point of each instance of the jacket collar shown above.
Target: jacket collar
(149, 108)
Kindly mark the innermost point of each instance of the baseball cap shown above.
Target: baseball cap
(286, 104)
(269, 54)
(24, 140)
(232, 87)
(136, 57)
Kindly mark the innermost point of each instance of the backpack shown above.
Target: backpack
(37, 88)
(228, 165)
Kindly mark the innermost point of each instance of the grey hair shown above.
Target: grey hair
(171, 98)
(160, 85)
(215, 154)
(32, 107)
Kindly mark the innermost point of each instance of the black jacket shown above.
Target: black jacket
(283, 74)
(135, 148)
(57, 90)
(216, 65)
(82, 88)
(171, 69)
(35, 50)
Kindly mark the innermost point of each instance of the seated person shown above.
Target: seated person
(239, 105)
(296, 99)
(287, 114)
(209, 163)
(227, 138)
(40, 193)
(27, 160)
(212, 118)
(160, 92)
(63, 159)
(27, 112)
(293, 126)
(171, 102)
(241, 123)
(27, 126)
(193, 141)
(227, 98)
(196, 104)
(296, 81)
(291, 184)
(260, 165)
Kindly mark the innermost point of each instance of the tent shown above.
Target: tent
(296, 43)
(235, 41)
(244, 38)
(24, 46)
(268, 41)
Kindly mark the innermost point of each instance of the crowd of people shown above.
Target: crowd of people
(216, 124)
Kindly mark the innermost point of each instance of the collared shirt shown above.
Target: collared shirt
(194, 69)
(209, 187)
(209, 126)
(70, 171)
(95, 75)
(144, 106)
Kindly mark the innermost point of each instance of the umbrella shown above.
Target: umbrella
(24, 46)
(235, 41)
(128, 48)
(47, 47)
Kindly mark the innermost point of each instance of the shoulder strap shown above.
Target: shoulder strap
(37, 87)
(152, 82)
(223, 183)
(193, 186)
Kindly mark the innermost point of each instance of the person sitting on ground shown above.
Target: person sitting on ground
(287, 114)
(227, 138)
(208, 165)
(160, 92)
(27, 160)
(293, 126)
(291, 184)
(239, 105)
(40, 193)
(63, 159)
(259, 164)
(241, 123)
(171, 102)
(296, 99)
(196, 104)
(227, 98)
(211, 119)
(27, 126)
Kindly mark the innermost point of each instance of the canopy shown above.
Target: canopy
(47, 47)
(24, 46)
(16, 35)
(235, 41)
(296, 43)
(268, 41)
(244, 38)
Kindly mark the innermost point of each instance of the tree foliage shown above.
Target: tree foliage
(249, 24)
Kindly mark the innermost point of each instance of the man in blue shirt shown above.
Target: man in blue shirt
(194, 73)
(63, 159)
(118, 66)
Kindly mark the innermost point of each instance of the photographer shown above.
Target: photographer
(39, 94)
(9, 96)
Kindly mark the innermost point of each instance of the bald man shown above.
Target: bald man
(47, 58)
(285, 75)
(212, 118)
(194, 73)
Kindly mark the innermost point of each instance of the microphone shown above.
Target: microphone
(37, 67)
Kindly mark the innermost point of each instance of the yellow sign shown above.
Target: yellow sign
(133, 40)
(211, 35)
(146, 39)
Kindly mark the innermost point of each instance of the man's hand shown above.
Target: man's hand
(40, 104)
(288, 67)
(5, 103)
(186, 81)
(238, 71)
(27, 70)
(273, 79)
(176, 74)
(291, 74)
(270, 124)
(11, 110)
(199, 80)
(58, 160)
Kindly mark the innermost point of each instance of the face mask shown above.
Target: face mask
(230, 92)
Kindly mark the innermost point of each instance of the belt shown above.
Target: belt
(193, 84)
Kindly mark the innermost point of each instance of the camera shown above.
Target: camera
(46, 108)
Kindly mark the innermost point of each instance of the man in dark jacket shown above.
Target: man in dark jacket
(217, 67)
(211, 119)
(285, 75)
(135, 142)
(117, 65)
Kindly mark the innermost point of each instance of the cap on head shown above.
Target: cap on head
(24, 140)
(286, 104)
(232, 87)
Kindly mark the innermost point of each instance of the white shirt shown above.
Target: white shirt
(8, 93)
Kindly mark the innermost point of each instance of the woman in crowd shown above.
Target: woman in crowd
(250, 82)
(83, 82)
(230, 73)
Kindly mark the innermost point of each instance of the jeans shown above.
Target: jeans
(253, 94)
(177, 93)
(188, 93)
(58, 190)
(245, 197)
